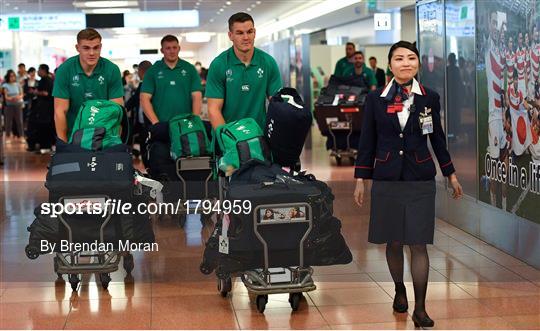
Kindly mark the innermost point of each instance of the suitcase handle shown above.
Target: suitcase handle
(265, 185)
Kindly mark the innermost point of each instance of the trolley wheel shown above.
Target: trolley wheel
(222, 275)
(338, 160)
(128, 263)
(262, 300)
(74, 281)
(294, 300)
(31, 252)
(182, 220)
(105, 279)
(224, 286)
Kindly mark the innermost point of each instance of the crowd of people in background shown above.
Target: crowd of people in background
(27, 106)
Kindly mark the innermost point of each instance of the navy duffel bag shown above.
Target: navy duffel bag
(288, 121)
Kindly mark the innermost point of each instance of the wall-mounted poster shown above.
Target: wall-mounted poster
(508, 70)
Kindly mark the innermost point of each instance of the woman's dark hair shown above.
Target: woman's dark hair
(32, 69)
(271, 214)
(8, 73)
(403, 44)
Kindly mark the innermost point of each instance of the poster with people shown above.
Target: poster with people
(282, 214)
(508, 70)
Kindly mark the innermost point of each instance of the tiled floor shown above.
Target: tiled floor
(472, 284)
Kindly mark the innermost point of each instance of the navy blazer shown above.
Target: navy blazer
(386, 152)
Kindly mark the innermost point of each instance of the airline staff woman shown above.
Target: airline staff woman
(393, 152)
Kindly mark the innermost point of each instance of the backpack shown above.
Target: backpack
(241, 141)
(288, 122)
(97, 125)
(188, 136)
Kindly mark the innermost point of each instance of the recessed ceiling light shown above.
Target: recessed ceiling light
(228, 3)
(211, 20)
(7, 4)
(258, 2)
(218, 12)
(248, 9)
(127, 30)
(106, 4)
(197, 3)
(15, 8)
(198, 37)
(221, 9)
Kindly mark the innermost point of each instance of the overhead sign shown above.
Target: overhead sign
(382, 21)
(162, 19)
(43, 22)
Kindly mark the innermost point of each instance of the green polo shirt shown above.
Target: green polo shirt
(73, 84)
(171, 88)
(244, 89)
(344, 67)
(368, 75)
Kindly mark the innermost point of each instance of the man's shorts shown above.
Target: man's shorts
(496, 137)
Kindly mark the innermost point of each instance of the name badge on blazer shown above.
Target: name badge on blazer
(394, 108)
(426, 121)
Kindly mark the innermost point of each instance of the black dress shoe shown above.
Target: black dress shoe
(398, 305)
(424, 322)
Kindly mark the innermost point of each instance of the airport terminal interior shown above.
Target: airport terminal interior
(481, 57)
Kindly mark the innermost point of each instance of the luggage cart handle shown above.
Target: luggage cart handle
(256, 224)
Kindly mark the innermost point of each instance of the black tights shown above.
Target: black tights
(419, 271)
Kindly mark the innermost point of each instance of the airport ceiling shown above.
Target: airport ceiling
(213, 14)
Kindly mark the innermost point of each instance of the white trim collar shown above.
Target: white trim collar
(415, 88)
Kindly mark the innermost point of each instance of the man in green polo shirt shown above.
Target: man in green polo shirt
(360, 69)
(171, 86)
(241, 78)
(345, 66)
(86, 76)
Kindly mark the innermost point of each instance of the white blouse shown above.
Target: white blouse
(403, 115)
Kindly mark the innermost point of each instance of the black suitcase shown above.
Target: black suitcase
(352, 91)
(88, 173)
(283, 240)
(324, 245)
(287, 125)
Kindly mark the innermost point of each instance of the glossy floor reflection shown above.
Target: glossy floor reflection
(472, 284)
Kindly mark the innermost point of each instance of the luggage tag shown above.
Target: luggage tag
(426, 121)
(223, 239)
(336, 99)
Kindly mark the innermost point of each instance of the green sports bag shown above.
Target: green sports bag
(98, 125)
(188, 136)
(241, 141)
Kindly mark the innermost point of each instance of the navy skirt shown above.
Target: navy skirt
(402, 211)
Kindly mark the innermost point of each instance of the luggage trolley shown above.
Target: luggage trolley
(263, 282)
(103, 263)
(187, 164)
(332, 119)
